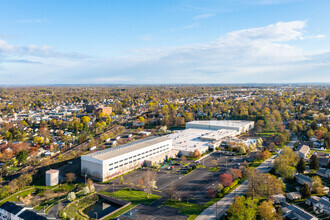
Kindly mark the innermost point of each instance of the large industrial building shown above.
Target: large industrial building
(203, 135)
(198, 135)
(112, 162)
(236, 125)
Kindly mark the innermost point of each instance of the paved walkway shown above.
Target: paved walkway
(222, 205)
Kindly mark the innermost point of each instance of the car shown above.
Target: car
(70, 162)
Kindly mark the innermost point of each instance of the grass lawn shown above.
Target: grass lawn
(22, 194)
(214, 169)
(72, 210)
(185, 208)
(323, 151)
(134, 196)
(255, 163)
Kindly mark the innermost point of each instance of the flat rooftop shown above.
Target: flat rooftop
(123, 149)
(189, 139)
(229, 123)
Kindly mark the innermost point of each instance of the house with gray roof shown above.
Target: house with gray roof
(303, 151)
(294, 212)
(303, 179)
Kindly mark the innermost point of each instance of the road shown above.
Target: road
(221, 207)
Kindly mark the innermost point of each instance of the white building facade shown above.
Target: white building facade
(112, 162)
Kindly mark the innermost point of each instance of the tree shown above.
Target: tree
(121, 180)
(266, 211)
(85, 119)
(196, 154)
(226, 179)
(236, 173)
(140, 182)
(317, 186)
(86, 190)
(263, 185)
(141, 119)
(243, 208)
(171, 192)
(285, 163)
(22, 156)
(220, 187)
(301, 166)
(214, 162)
(305, 191)
(150, 181)
(71, 196)
(70, 177)
(314, 162)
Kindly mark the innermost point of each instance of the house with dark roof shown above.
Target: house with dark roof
(324, 158)
(294, 212)
(18, 211)
(303, 179)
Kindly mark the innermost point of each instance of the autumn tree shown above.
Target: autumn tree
(236, 173)
(317, 186)
(266, 211)
(196, 154)
(226, 179)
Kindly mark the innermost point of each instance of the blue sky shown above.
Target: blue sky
(165, 41)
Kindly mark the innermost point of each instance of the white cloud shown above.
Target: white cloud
(203, 16)
(263, 54)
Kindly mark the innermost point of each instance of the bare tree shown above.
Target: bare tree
(214, 162)
(70, 177)
(172, 192)
(150, 181)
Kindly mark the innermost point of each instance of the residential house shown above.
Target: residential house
(303, 179)
(18, 211)
(278, 199)
(320, 205)
(324, 158)
(303, 151)
(294, 212)
(293, 195)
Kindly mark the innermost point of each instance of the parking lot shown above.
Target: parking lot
(191, 188)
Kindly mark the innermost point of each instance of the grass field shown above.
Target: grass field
(17, 196)
(185, 208)
(214, 169)
(133, 196)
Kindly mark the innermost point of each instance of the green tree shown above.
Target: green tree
(285, 163)
(317, 186)
(305, 191)
(314, 162)
(22, 156)
(301, 166)
(243, 208)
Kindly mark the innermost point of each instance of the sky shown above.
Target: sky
(164, 41)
